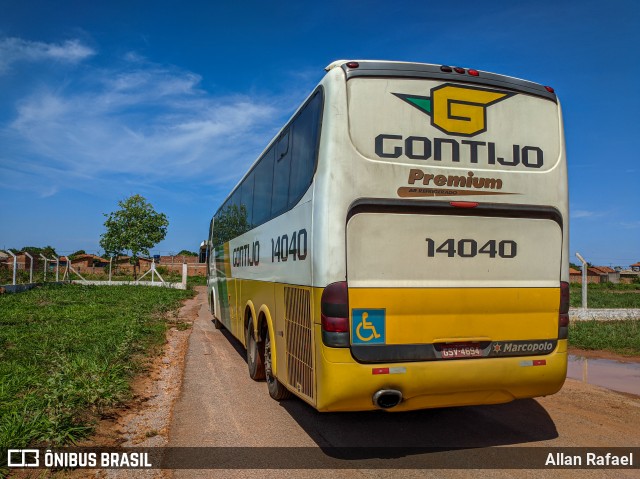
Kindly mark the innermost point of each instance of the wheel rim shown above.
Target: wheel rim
(267, 359)
(251, 349)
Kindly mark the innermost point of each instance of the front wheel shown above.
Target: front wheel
(276, 390)
(216, 322)
(255, 354)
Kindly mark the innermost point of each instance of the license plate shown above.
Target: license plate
(452, 351)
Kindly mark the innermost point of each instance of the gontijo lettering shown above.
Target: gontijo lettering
(449, 149)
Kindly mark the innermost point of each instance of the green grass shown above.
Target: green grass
(607, 295)
(622, 337)
(23, 276)
(68, 353)
(196, 280)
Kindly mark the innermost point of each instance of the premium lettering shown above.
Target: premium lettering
(455, 181)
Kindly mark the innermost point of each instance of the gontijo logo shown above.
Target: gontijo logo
(457, 110)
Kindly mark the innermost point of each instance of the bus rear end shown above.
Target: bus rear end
(456, 234)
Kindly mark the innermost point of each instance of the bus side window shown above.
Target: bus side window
(263, 187)
(246, 198)
(281, 171)
(304, 149)
(218, 235)
(233, 219)
(283, 146)
(210, 238)
(234, 205)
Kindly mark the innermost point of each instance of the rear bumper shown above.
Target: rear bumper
(345, 385)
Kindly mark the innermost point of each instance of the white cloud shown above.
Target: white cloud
(148, 125)
(575, 214)
(133, 57)
(13, 50)
(583, 214)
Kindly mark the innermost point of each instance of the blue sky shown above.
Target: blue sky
(174, 100)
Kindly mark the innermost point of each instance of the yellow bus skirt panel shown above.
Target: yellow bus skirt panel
(428, 315)
(345, 385)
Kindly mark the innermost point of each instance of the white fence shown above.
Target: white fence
(19, 271)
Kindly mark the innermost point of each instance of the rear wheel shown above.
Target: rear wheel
(255, 354)
(276, 390)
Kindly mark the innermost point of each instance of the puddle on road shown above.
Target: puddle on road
(610, 374)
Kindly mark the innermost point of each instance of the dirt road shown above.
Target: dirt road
(221, 406)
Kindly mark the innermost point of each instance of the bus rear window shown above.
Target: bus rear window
(452, 124)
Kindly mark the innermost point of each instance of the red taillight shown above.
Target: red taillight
(334, 307)
(563, 316)
(332, 324)
(458, 70)
(353, 65)
(563, 320)
(446, 69)
(549, 89)
(564, 297)
(473, 73)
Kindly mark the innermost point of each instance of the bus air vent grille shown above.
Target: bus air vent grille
(298, 337)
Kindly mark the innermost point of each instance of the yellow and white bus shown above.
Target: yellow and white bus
(402, 243)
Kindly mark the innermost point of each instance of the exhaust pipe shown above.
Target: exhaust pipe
(387, 398)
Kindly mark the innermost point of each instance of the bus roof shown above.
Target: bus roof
(381, 68)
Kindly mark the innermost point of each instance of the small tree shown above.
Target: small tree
(135, 227)
(35, 251)
(77, 253)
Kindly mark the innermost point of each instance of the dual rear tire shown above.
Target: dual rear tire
(255, 354)
(276, 390)
(259, 361)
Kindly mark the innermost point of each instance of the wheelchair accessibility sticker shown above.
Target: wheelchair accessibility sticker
(368, 326)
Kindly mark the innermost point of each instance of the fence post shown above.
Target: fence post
(44, 279)
(30, 267)
(584, 280)
(15, 265)
(57, 260)
(184, 274)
